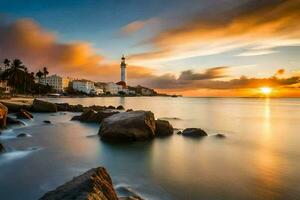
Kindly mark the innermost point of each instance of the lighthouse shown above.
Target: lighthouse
(123, 70)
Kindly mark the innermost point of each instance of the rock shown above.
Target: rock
(3, 115)
(129, 110)
(179, 132)
(111, 107)
(221, 136)
(120, 107)
(47, 122)
(23, 114)
(12, 121)
(128, 126)
(97, 108)
(16, 106)
(94, 184)
(62, 106)
(194, 132)
(163, 128)
(43, 106)
(1, 148)
(92, 116)
(22, 135)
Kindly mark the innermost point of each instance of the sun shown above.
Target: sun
(266, 90)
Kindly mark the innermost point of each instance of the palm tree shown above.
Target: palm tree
(45, 73)
(15, 74)
(6, 63)
(39, 74)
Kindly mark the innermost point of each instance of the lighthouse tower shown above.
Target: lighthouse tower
(123, 70)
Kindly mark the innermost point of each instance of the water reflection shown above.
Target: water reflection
(260, 158)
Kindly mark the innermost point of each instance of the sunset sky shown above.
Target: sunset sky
(191, 47)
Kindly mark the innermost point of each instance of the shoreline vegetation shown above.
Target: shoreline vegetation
(117, 125)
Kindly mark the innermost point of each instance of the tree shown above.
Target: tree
(15, 74)
(6, 63)
(39, 74)
(45, 73)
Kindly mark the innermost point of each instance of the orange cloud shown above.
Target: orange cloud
(258, 24)
(138, 25)
(36, 47)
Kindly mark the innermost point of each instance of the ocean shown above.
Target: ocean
(259, 158)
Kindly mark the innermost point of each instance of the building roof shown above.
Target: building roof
(122, 83)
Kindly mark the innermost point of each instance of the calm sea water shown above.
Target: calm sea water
(259, 159)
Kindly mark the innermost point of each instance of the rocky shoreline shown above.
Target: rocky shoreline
(95, 184)
(117, 125)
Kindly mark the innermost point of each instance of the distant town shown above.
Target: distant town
(16, 80)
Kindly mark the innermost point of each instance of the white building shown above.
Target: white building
(84, 86)
(58, 83)
(113, 88)
(4, 87)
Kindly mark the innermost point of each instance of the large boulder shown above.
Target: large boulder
(24, 114)
(43, 106)
(163, 128)
(3, 115)
(94, 184)
(68, 107)
(93, 116)
(16, 106)
(128, 126)
(194, 132)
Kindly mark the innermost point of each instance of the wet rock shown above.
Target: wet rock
(111, 107)
(128, 126)
(163, 128)
(3, 115)
(62, 106)
(92, 116)
(221, 136)
(1, 148)
(47, 122)
(22, 135)
(16, 106)
(120, 107)
(194, 132)
(97, 108)
(43, 106)
(12, 122)
(24, 114)
(94, 184)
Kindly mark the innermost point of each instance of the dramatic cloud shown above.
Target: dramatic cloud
(194, 82)
(256, 24)
(36, 47)
(216, 72)
(135, 26)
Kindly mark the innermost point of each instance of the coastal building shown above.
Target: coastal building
(113, 88)
(84, 86)
(4, 88)
(58, 83)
